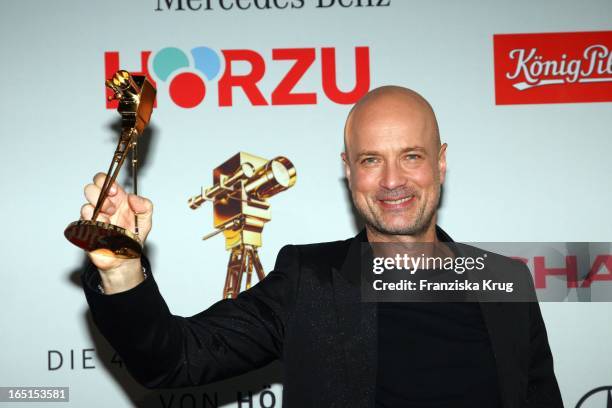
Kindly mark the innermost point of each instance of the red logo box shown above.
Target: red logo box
(553, 67)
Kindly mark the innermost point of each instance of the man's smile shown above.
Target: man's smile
(397, 203)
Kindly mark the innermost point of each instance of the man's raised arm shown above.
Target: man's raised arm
(162, 350)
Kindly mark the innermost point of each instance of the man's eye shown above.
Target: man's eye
(413, 156)
(369, 160)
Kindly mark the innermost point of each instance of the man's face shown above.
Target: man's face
(395, 168)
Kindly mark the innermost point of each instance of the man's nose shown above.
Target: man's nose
(392, 176)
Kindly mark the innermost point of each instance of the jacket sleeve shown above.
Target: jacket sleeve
(542, 387)
(229, 338)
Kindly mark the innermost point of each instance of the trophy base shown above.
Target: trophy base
(103, 238)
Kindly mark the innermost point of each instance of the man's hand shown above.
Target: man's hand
(119, 208)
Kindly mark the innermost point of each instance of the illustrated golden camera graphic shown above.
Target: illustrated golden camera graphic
(241, 187)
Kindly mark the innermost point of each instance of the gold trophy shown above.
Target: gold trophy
(136, 96)
(241, 188)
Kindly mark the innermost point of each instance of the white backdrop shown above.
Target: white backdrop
(516, 172)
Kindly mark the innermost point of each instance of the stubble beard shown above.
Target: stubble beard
(374, 219)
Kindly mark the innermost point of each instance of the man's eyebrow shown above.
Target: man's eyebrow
(368, 153)
(404, 150)
(414, 148)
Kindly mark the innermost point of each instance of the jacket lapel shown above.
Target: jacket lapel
(495, 316)
(357, 323)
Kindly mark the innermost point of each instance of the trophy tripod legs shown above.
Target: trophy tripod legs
(92, 235)
(243, 258)
(126, 142)
(135, 180)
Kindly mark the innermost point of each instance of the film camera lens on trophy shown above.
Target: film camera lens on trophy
(241, 188)
(136, 96)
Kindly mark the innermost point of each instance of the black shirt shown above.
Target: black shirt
(434, 355)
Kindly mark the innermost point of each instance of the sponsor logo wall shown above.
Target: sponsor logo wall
(523, 100)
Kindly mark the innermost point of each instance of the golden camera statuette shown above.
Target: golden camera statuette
(136, 97)
(240, 192)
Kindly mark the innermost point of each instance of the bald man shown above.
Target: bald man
(395, 164)
(308, 312)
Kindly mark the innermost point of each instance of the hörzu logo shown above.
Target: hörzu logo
(189, 75)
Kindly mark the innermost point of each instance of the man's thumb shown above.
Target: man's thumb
(140, 205)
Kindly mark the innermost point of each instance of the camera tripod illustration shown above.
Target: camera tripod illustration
(241, 188)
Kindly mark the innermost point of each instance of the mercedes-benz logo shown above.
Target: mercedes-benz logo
(600, 398)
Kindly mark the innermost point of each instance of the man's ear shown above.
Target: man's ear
(347, 168)
(442, 163)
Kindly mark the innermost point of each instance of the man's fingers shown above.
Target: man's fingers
(104, 218)
(92, 192)
(99, 181)
(140, 205)
(87, 212)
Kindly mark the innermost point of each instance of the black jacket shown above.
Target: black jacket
(308, 313)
